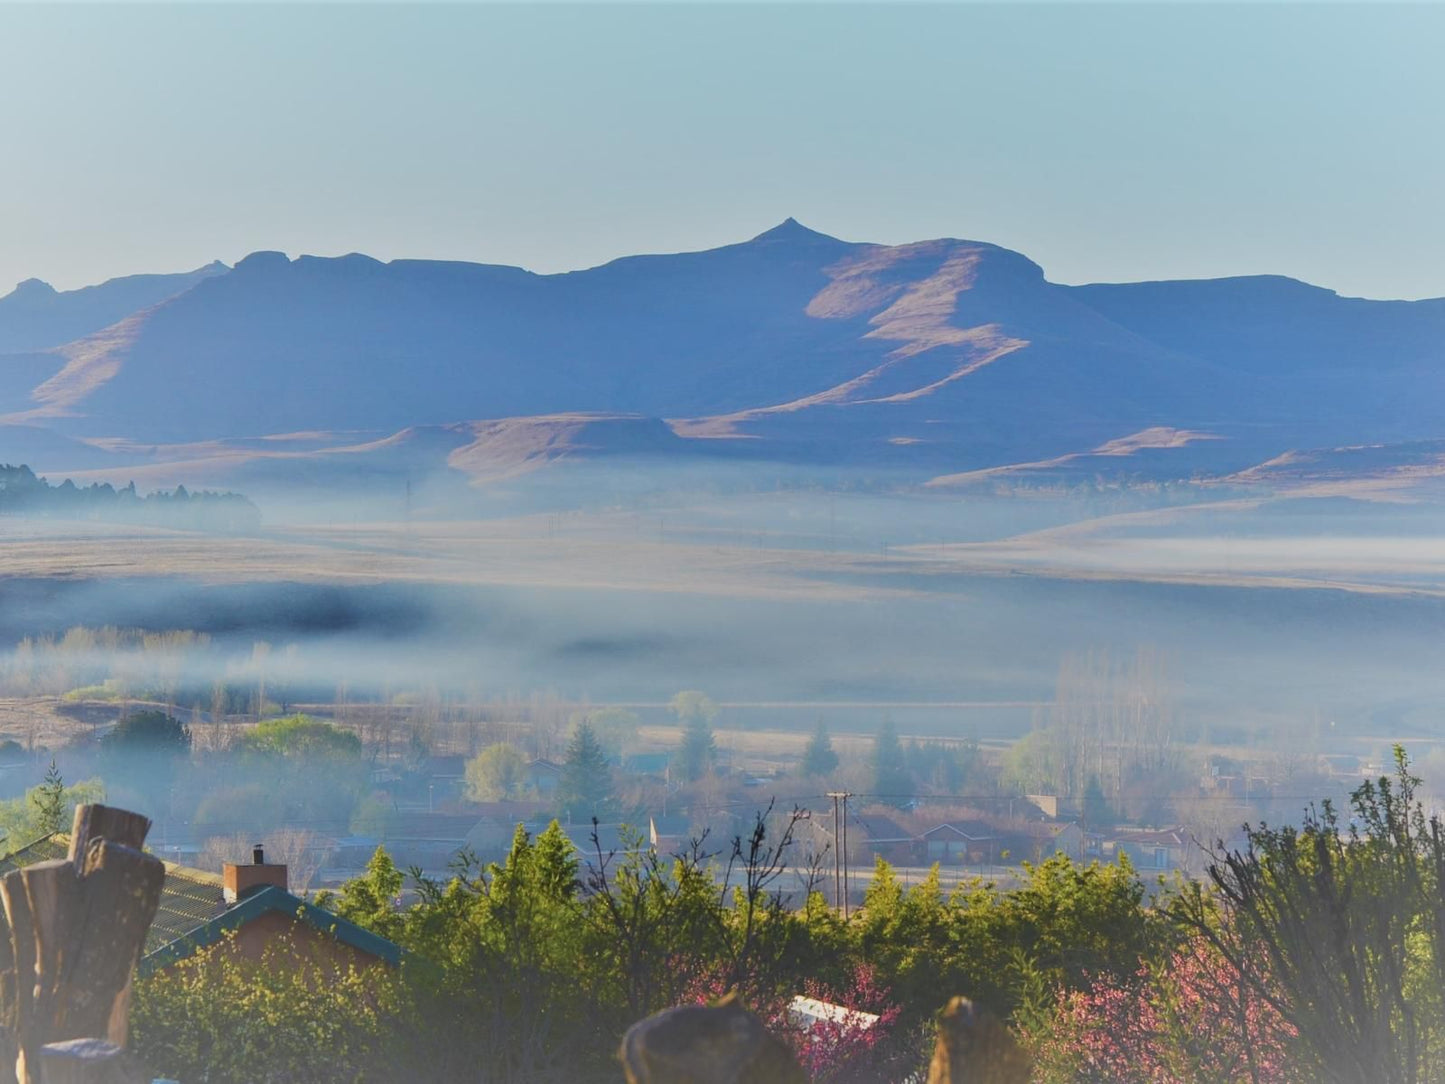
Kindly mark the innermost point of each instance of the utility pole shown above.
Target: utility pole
(840, 849)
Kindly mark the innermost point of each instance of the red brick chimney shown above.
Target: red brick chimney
(241, 880)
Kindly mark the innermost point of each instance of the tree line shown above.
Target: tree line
(23, 493)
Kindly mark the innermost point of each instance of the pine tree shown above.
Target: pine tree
(49, 799)
(1097, 813)
(585, 788)
(891, 779)
(819, 758)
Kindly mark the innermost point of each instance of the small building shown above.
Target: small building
(257, 912)
(1034, 841)
(543, 777)
(961, 843)
(198, 908)
(654, 764)
(884, 837)
(1150, 848)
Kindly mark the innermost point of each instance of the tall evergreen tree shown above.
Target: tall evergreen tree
(49, 799)
(892, 781)
(1097, 813)
(819, 757)
(585, 788)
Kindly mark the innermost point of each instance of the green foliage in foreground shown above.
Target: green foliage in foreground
(1315, 954)
(228, 1021)
(532, 968)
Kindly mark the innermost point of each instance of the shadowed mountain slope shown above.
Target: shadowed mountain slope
(35, 316)
(940, 358)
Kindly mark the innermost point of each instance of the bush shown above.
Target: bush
(222, 1019)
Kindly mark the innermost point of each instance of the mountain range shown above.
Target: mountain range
(943, 361)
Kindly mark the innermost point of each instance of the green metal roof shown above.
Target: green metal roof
(265, 901)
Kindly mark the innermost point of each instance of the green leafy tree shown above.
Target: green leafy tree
(1035, 764)
(371, 899)
(892, 781)
(690, 705)
(149, 732)
(819, 759)
(225, 1019)
(299, 736)
(616, 729)
(373, 815)
(585, 788)
(698, 751)
(497, 773)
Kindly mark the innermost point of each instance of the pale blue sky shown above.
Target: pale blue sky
(1106, 142)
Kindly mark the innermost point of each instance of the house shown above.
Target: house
(647, 763)
(1150, 848)
(960, 843)
(256, 912)
(885, 837)
(543, 777)
(446, 777)
(427, 840)
(1047, 804)
(198, 908)
(1034, 841)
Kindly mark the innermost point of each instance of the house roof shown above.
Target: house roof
(189, 898)
(268, 900)
(1151, 837)
(193, 912)
(647, 763)
(430, 827)
(975, 831)
(878, 828)
(1044, 829)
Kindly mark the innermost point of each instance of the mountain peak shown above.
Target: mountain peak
(33, 290)
(791, 230)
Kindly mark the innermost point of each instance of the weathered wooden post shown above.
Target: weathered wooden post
(975, 1047)
(76, 929)
(707, 1044)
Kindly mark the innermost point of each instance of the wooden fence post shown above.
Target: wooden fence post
(76, 929)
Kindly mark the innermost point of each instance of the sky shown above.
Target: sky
(1106, 142)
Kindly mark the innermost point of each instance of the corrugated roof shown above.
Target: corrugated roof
(189, 897)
